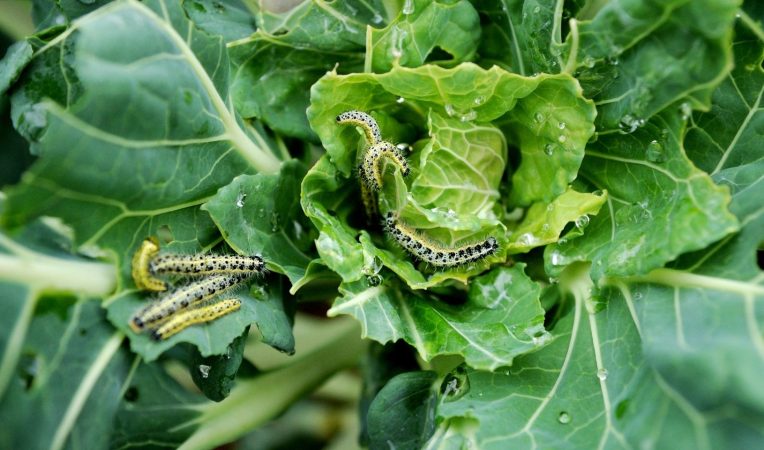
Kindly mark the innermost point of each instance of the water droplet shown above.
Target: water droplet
(400, 100)
(374, 280)
(240, 199)
(629, 123)
(204, 370)
(450, 110)
(549, 149)
(582, 222)
(408, 7)
(469, 116)
(562, 138)
(536, 10)
(638, 296)
(377, 18)
(479, 100)
(563, 418)
(539, 117)
(602, 374)
(550, 207)
(588, 61)
(655, 152)
(526, 239)
(561, 125)
(556, 258)
(686, 110)
(545, 227)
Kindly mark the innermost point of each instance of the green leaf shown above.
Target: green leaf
(659, 205)
(16, 58)
(380, 364)
(63, 365)
(543, 223)
(421, 27)
(726, 141)
(401, 414)
(275, 67)
(260, 214)
(592, 384)
(155, 411)
(118, 179)
(502, 318)
(227, 18)
(215, 375)
(456, 173)
(637, 58)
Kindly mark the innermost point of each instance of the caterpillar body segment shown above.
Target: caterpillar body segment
(371, 167)
(199, 291)
(365, 122)
(433, 253)
(142, 276)
(203, 265)
(201, 314)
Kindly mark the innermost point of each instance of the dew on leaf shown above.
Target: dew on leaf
(582, 222)
(377, 19)
(549, 149)
(563, 418)
(562, 138)
(240, 199)
(400, 100)
(527, 239)
(479, 100)
(204, 370)
(450, 110)
(408, 7)
(561, 125)
(655, 152)
(630, 123)
(539, 117)
(686, 110)
(602, 374)
(470, 115)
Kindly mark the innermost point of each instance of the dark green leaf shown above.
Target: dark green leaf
(401, 415)
(215, 375)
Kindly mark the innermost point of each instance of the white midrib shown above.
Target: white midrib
(77, 402)
(261, 159)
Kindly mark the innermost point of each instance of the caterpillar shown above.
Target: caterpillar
(142, 276)
(202, 314)
(202, 265)
(371, 171)
(193, 293)
(434, 253)
(365, 122)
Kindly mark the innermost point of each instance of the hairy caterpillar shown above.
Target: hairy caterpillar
(193, 293)
(369, 199)
(142, 275)
(434, 253)
(202, 314)
(371, 170)
(202, 265)
(363, 121)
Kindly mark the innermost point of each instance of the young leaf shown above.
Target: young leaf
(502, 318)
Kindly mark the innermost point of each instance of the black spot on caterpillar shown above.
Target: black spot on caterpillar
(434, 253)
(363, 121)
(201, 314)
(203, 265)
(182, 298)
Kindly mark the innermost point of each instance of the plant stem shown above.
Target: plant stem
(256, 401)
(57, 274)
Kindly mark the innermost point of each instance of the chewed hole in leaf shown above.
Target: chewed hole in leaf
(131, 394)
